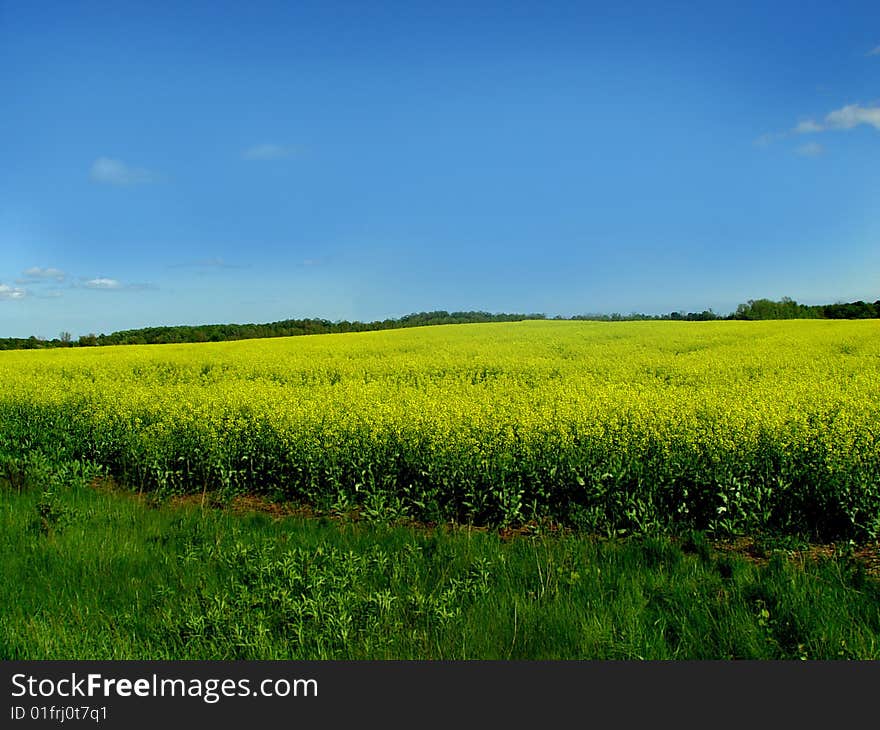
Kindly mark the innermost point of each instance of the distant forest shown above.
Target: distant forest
(754, 309)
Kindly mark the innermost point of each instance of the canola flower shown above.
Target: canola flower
(615, 427)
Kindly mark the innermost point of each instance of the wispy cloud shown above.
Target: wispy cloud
(51, 283)
(103, 283)
(852, 116)
(846, 117)
(36, 273)
(268, 152)
(811, 149)
(10, 292)
(807, 126)
(108, 171)
(874, 52)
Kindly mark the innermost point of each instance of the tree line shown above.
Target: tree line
(283, 328)
(753, 309)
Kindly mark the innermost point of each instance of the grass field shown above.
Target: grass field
(94, 574)
(613, 452)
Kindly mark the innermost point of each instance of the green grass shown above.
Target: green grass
(90, 574)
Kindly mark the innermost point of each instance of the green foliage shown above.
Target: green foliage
(787, 308)
(34, 470)
(53, 515)
(754, 309)
(107, 579)
(283, 328)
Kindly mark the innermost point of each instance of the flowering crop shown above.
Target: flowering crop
(614, 427)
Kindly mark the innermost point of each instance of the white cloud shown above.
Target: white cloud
(847, 117)
(36, 272)
(807, 126)
(268, 152)
(9, 292)
(103, 283)
(853, 115)
(874, 52)
(115, 172)
(811, 149)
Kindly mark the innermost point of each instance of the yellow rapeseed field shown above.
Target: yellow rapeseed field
(617, 427)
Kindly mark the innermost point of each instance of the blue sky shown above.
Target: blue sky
(185, 163)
